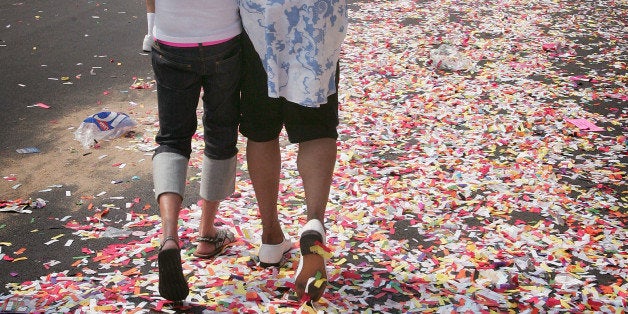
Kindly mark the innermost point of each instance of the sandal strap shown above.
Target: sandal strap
(219, 239)
(166, 239)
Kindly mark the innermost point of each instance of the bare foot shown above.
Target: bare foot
(205, 248)
(312, 277)
(210, 246)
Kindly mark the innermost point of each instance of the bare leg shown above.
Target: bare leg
(264, 162)
(316, 162)
(169, 207)
(172, 283)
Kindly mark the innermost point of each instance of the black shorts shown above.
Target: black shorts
(264, 117)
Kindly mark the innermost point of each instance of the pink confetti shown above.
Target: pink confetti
(584, 124)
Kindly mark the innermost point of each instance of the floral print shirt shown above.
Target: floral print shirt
(298, 42)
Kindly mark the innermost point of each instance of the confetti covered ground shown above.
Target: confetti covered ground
(490, 178)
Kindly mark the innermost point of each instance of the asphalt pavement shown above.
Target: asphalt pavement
(498, 186)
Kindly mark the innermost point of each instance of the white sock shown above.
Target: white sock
(150, 18)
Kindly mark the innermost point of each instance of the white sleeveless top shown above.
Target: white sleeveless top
(196, 21)
(299, 44)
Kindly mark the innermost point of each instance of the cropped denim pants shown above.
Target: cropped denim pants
(181, 74)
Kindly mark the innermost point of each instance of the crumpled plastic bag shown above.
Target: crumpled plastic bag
(113, 232)
(448, 57)
(104, 125)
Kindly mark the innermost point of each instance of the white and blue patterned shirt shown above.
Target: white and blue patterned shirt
(299, 44)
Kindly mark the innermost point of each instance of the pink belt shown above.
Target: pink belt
(189, 45)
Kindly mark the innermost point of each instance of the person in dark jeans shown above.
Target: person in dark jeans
(197, 48)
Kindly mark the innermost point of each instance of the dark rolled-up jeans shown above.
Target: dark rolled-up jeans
(181, 74)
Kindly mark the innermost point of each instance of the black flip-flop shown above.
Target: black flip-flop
(172, 283)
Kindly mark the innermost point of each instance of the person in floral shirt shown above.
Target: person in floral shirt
(291, 51)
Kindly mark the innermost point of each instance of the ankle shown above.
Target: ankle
(273, 237)
(169, 242)
(208, 232)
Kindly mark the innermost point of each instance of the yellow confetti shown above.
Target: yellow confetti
(305, 308)
(318, 283)
(320, 251)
